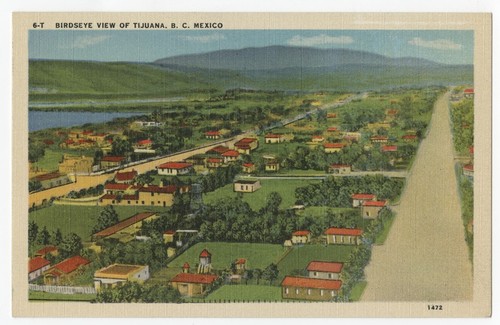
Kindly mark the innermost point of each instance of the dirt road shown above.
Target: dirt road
(425, 256)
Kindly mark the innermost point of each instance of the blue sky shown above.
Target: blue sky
(444, 46)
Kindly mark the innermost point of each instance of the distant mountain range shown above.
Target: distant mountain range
(285, 57)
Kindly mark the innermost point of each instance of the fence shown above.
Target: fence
(62, 289)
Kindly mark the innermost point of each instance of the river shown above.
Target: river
(39, 120)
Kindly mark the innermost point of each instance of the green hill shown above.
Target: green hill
(56, 80)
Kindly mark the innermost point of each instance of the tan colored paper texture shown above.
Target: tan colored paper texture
(252, 165)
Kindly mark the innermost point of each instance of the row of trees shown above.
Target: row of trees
(68, 246)
(337, 191)
(462, 117)
(133, 292)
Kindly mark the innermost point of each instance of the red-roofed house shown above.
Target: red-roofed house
(359, 198)
(129, 195)
(36, 267)
(144, 144)
(168, 236)
(468, 170)
(52, 250)
(192, 285)
(340, 169)
(248, 168)
(230, 155)
(332, 129)
(469, 93)
(409, 137)
(52, 179)
(246, 145)
(174, 168)
(379, 139)
(331, 115)
(65, 270)
(215, 162)
(371, 209)
(325, 270)
(112, 161)
(333, 147)
(125, 177)
(389, 148)
(114, 188)
(117, 274)
(301, 237)
(343, 236)
(219, 150)
(317, 138)
(309, 289)
(274, 138)
(240, 264)
(213, 135)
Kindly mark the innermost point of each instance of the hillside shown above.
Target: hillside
(81, 79)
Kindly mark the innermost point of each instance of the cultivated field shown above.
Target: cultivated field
(238, 293)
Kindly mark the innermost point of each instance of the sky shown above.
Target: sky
(443, 46)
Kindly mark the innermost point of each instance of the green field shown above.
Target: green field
(357, 290)
(238, 293)
(78, 219)
(257, 255)
(42, 296)
(296, 262)
(285, 187)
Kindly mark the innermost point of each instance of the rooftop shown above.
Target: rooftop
(113, 158)
(125, 176)
(48, 176)
(194, 278)
(344, 231)
(124, 224)
(231, 153)
(246, 181)
(319, 266)
(302, 282)
(46, 250)
(374, 203)
(363, 196)
(37, 263)
(175, 165)
(71, 264)
(301, 233)
(118, 271)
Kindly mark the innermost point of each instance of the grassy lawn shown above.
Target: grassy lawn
(296, 262)
(245, 293)
(285, 187)
(39, 295)
(357, 290)
(164, 275)
(257, 255)
(78, 219)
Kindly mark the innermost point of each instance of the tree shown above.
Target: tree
(98, 154)
(257, 274)
(248, 275)
(106, 218)
(57, 237)
(44, 236)
(120, 147)
(34, 185)
(273, 202)
(144, 179)
(32, 232)
(35, 152)
(71, 245)
(270, 273)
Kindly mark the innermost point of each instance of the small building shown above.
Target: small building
(214, 162)
(36, 267)
(129, 226)
(218, 150)
(205, 265)
(168, 236)
(230, 156)
(272, 165)
(65, 270)
(174, 168)
(212, 135)
(317, 138)
(248, 168)
(333, 147)
(246, 145)
(324, 270)
(192, 285)
(468, 170)
(391, 114)
(379, 139)
(112, 161)
(351, 136)
(343, 236)
(469, 93)
(273, 138)
(371, 209)
(340, 169)
(332, 129)
(51, 249)
(389, 148)
(359, 198)
(144, 144)
(118, 274)
(52, 179)
(331, 115)
(303, 288)
(125, 177)
(301, 237)
(116, 188)
(241, 265)
(409, 138)
(246, 186)
(76, 164)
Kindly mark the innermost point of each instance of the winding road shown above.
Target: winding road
(425, 257)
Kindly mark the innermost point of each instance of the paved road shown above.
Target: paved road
(399, 174)
(425, 256)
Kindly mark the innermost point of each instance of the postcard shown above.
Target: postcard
(252, 165)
